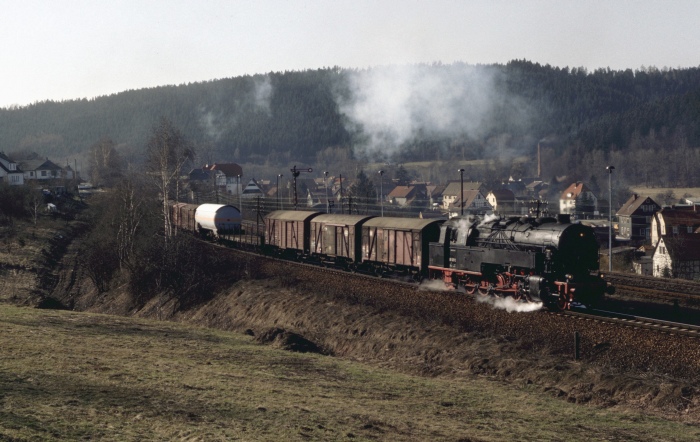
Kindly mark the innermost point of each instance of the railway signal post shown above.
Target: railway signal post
(295, 174)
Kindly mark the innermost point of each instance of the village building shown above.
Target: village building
(435, 195)
(578, 201)
(634, 219)
(10, 173)
(677, 257)
(642, 263)
(502, 201)
(41, 170)
(253, 190)
(472, 202)
(451, 192)
(674, 221)
(404, 196)
(226, 175)
(321, 199)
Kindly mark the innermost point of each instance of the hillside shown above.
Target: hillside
(583, 119)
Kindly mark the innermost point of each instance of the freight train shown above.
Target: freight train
(547, 260)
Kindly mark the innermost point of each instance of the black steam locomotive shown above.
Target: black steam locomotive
(547, 260)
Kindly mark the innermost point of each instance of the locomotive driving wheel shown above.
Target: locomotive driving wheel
(483, 288)
(470, 286)
(517, 292)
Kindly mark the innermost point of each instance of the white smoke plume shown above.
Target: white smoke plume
(437, 285)
(209, 121)
(262, 93)
(392, 105)
(509, 304)
(489, 218)
(257, 99)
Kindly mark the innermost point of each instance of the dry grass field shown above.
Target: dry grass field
(82, 376)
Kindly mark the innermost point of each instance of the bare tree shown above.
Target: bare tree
(35, 201)
(167, 153)
(105, 163)
(129, 217)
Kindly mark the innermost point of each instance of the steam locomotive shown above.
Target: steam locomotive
(548, 260)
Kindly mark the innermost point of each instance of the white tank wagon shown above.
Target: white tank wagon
(218, 219)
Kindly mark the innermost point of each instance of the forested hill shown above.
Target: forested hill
(413, 113)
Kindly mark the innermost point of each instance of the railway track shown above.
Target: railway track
(654, 283)
(656, 289)
(647, 287)
(634, 321)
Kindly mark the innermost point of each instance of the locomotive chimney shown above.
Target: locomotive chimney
(564, 218)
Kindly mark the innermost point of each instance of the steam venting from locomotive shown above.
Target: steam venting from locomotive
(510, 305)
(391, 105)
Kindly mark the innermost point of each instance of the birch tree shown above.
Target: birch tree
(105, 163)
(167, 153)
(129, 218)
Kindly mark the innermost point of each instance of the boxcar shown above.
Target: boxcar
(338, 237)
(399, 243)
(289, 230)
(218, 219)
(182, 215)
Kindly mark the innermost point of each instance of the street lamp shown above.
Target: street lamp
(610, 205)
(240, 206)
(325, 190)
(461, 191)
(381, 190)
(278, 190)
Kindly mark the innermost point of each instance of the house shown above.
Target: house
(674, 221)
(472, 202)
(578, 200)
(69, 173)
(502, 201)
(227, 175)
(402, 195)
(435, 195)
(41, 170)
(252, 190)
(9, 171)
(321, 199)
(536, 188)
(677, 256)
(642, 263)
(451, 192)
(634, 219)
(199, 174)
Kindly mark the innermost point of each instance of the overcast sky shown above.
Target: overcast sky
(59, 49)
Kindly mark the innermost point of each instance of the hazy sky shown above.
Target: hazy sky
(59, 49)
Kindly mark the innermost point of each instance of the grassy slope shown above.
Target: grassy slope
(67, 375)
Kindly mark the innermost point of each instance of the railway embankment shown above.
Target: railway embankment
(420, 331)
